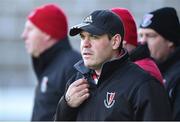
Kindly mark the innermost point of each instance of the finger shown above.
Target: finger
(77, 90)
(84, 97)
(79, 82)
(76, 95)
(81, 87)
(73, 90)
(83, 92)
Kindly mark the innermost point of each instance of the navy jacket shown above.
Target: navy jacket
(124, 92)
(171, 73)
(53, 69)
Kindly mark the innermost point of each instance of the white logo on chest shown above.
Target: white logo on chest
(44, 84)
(109, 101)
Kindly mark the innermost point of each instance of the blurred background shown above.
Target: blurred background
(17, 80)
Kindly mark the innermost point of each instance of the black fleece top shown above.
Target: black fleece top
(53, 69)
(170, 69)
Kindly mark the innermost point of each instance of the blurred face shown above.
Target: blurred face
(95, 50)
(35, 39)
(159, 47)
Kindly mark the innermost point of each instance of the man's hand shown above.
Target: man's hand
(77, 93)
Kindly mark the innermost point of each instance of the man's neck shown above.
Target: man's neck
(116, 56)
(98, 72)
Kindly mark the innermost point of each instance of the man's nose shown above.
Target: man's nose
(23, 35)
(86, 43)
(143, 40)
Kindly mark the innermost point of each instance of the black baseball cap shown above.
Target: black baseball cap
(100, 22)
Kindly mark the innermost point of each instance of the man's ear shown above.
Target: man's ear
(116, 40)
(47, 37)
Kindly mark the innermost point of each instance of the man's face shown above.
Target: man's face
(95, 50)
(159, 47)
(34, 39)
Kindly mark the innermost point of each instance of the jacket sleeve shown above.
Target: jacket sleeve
(152, 103)
(64, 112)
(176, 101)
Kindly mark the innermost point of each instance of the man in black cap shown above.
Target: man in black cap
(160, 29)
(107, 85)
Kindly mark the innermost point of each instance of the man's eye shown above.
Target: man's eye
(82, 36)
(140, 35)
(152, 36)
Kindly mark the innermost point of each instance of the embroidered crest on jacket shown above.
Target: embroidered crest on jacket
(109, 101)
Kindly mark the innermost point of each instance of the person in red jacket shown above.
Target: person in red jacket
(138, 53)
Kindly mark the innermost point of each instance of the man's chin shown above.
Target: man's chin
(88, 65)
(91, 66)
(34, 54)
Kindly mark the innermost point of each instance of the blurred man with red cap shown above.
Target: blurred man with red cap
(138, 53)
(46, 40)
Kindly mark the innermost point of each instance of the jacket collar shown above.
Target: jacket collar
(108, 67)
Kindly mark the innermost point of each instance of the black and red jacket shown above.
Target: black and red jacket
(124, 92)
